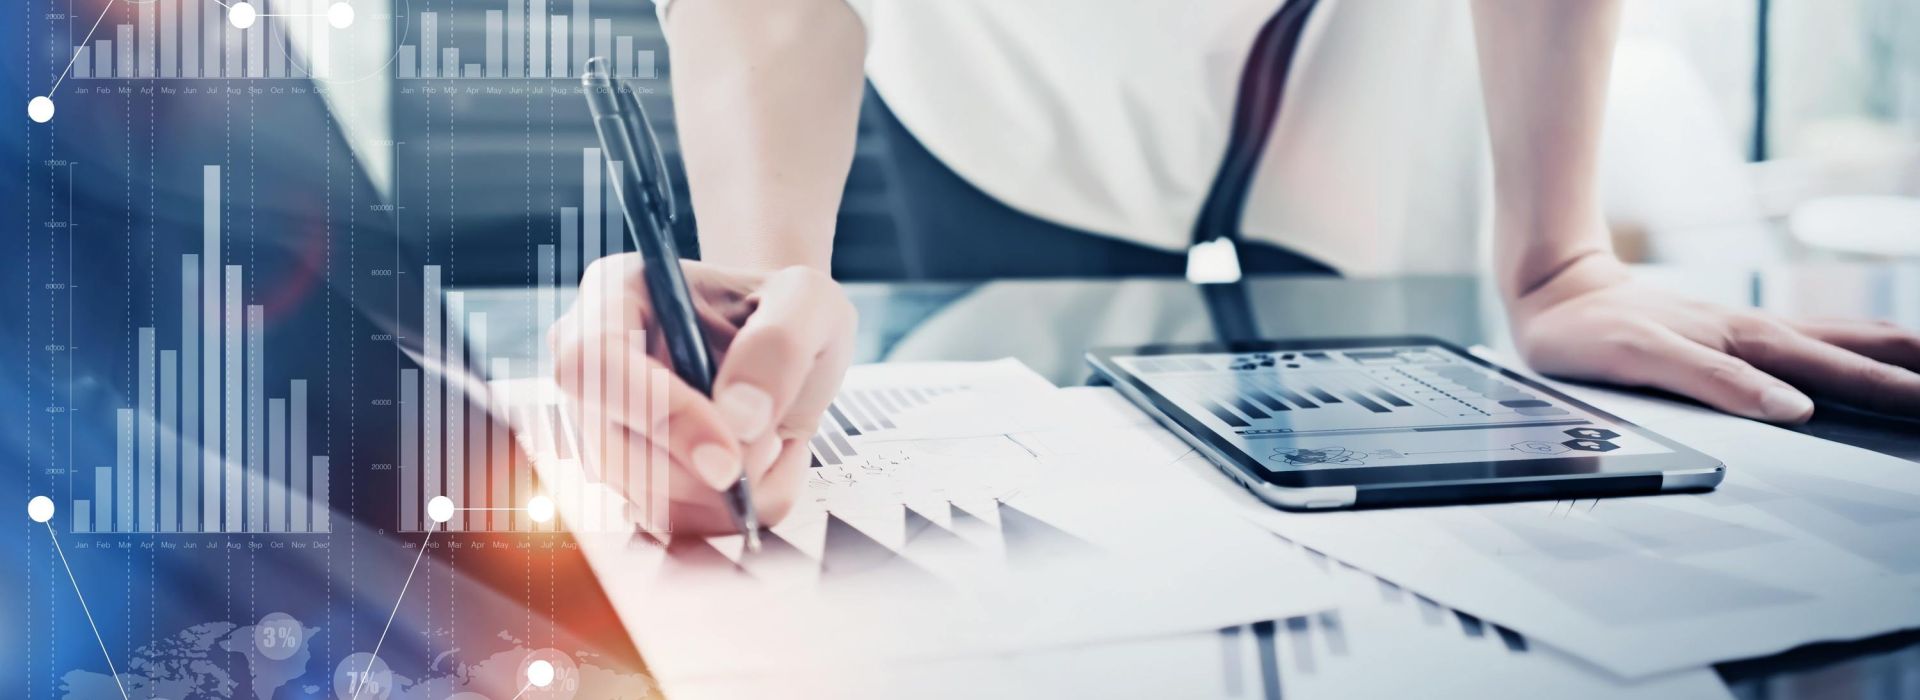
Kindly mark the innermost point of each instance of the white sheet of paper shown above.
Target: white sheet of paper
(1381, 642)
(1805, 541)
(968, 543)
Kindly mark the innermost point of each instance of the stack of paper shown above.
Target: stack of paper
(934, 530)
(972, 531)
(1380, 641)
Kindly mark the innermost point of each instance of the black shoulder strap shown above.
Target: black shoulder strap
(1262, 83)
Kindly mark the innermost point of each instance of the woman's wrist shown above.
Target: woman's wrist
(1572, 276)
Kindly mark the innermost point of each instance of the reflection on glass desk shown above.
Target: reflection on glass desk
(1050, 324)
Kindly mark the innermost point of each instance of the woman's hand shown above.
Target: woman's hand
(1592, 322)
(781, 342)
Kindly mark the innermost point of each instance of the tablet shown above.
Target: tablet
(1343, 423)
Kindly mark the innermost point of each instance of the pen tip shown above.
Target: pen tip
(753, 540)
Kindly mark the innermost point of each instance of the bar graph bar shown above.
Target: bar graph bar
(235, 411)
(233, 44)
(602, 42)
(582, 22)
(409, 407)
(256, 49)
(569, 245)
(456, 403)
(147, 35)
(103, 499)
(276, 49)
(169, 45)
(190, 39)
(212, 42)
(148, 450)
(517, 37)
(431, 412)
(322, 494)
(297, 458)
(429, 44)
(210, 365)
(479, 459)
(203, 448)
(536, 39)
(256, 430)
(169, 440)
(496, 44)
(189, 391)
(500, 460)
(276, 465)
(123, 470)
(124, 66)
(557, 62)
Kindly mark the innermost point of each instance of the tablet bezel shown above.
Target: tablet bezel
(1681, 457)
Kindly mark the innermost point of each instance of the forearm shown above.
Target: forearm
(767, 99)
(1543, 70)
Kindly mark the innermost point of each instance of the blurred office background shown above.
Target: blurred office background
(1733, 141)
(1729, 140)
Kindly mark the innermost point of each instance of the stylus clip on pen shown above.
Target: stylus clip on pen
(646, 198)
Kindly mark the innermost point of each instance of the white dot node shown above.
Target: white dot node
(242, 14)
(540, 509)
(440, 509)
(540, 673)
(40, 509)
(40, 109)
(340, 15)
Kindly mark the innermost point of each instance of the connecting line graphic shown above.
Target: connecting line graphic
(539, 509)
(85, 609)
(360, 680)
(523, 691)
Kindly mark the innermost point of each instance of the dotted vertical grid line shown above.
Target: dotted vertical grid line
(126, 310)
(153, 317)
(426, 227)
(326, 388)
(226, 229)
(526, 135)
(26, 479)
(255, 481)
(456, 412)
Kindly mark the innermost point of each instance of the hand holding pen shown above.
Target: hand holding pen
(783, 340)
(785, 336)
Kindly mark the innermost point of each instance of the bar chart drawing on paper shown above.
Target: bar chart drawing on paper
(857, 412)
(205, 449)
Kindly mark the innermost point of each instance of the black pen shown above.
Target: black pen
(646, 197)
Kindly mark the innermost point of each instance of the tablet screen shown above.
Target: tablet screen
(1378, 406)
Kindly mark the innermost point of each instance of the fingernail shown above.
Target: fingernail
(716, 465)
(1783, 404)
(746, 410)
(763, 455)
